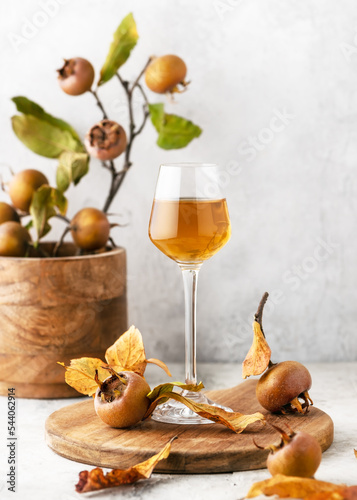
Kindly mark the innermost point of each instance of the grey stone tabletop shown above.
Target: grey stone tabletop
(41, 474)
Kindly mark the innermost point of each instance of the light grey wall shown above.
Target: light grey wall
(274, 86)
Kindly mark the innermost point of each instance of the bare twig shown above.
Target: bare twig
(60, 242)
(259, 314)
(136, 82)
(146, 115)
(119, 176)
(62, 217)
(99, 104)
(112, 242)
(139, 86)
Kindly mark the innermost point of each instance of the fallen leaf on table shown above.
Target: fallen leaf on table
(128, 353)
(297, 487)
(96, 480)
(345, 493)
(258, 357)
(235, 421)
(355, 453)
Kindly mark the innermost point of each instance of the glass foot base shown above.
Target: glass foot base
(173, 412)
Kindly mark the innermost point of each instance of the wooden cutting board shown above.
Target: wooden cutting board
(75, 432)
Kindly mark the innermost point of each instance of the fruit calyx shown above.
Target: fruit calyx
(113, 387)
(285, 439)
(106, 140)
(67, 69)
(296, 406)
(104, 134)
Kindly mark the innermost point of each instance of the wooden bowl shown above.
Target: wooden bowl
(56, 309)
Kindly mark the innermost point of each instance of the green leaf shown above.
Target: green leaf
(28, 107)
(46, 203)
(125, 39)
(157, 115)
(174, 131)
(42, 137)
(72, 167)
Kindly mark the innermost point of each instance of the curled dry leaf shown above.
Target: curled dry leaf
(161, 364)
(128, 353)
(258, 357)
(96, 480)
(343, 493)
(81, 373)
(168, 387)
(235, 421)
(298, 487)
(355, 451)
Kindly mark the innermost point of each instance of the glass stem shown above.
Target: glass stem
(190, 276)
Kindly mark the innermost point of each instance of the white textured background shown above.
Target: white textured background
(291, 181)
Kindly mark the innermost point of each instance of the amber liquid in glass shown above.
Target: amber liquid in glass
(189, 230)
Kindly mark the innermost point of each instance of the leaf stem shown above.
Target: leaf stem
(259, 314)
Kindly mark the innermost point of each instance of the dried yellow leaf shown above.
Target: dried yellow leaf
(96, 480)
(80, 374)
(235, 421)
(292, 487)
(258, 357)
(128, 352)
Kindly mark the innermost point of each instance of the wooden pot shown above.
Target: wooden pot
(57, 309)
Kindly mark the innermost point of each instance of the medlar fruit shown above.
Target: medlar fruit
(298, 454)
(76, 76)
(7, 213)
(106, 140)
(120, 401)
(282, 385)
(90, 229)
(22, 187)
(165, 73)
(14, 239)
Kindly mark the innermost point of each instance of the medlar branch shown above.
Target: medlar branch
(117, 177)
(99, 104)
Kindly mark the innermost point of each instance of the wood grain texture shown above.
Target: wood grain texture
(56, 309)
(76, 433)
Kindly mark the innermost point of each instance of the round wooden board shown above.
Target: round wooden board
(76, 433)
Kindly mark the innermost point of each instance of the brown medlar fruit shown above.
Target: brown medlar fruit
(281, 387)
(22, 187)
(76, 76)
(106, 140)
(121, 400)
(165, 73)
(14, 239)
(298, 454)
(8, 213)
(90, 229)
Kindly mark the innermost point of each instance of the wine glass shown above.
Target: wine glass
(189, 223)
